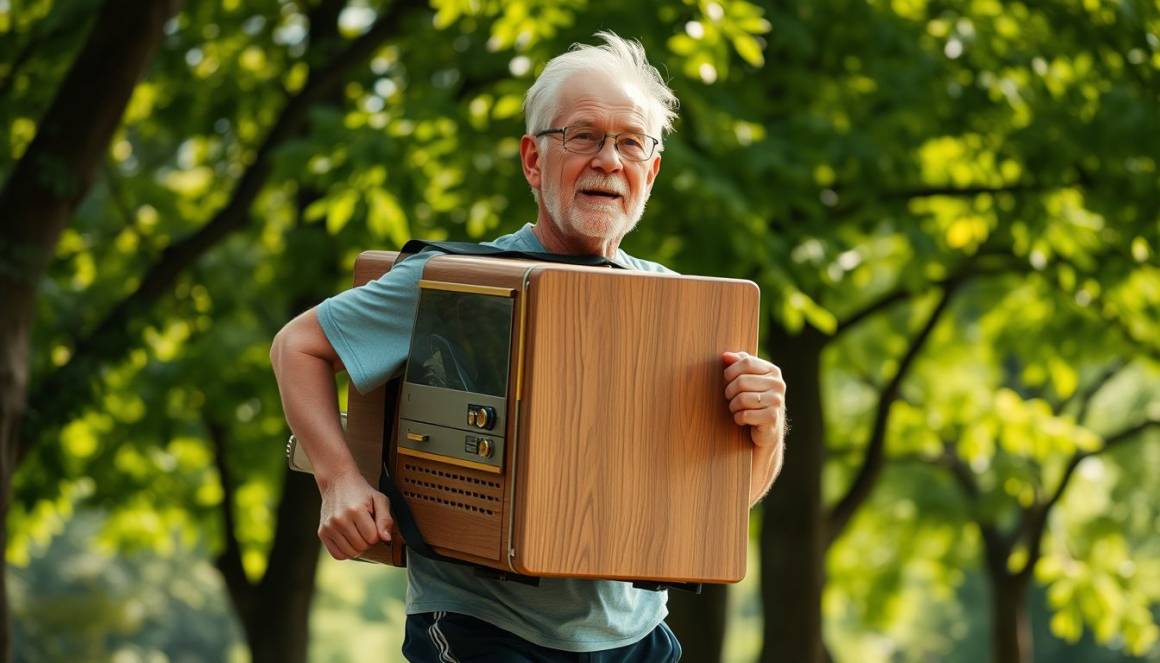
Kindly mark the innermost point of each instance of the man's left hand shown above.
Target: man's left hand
(756, 395)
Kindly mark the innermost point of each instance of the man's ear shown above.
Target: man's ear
(530, 160)
(654, 169)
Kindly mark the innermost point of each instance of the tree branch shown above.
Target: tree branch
(883, 302)
(872, 462)
(67, 387)
(962, 475)
(913, 457)
(323, 22)
(1110, 442)
(1089, 393)
(57, 170)
(905, 195)
(119, 198)
(35, 44)
(967, 191)
(1036, 522)
(1005, 263)
(996, 546)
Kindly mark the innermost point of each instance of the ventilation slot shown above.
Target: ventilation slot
(455, 505)
(450, 475)
(449, 489)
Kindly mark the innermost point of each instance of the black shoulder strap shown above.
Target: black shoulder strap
(470, 249)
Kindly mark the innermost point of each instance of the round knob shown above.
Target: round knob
(485, 448)
(482, 418)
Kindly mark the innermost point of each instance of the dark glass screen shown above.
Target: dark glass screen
(461, 341)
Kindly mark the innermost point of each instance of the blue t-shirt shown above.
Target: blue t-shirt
(370, 328)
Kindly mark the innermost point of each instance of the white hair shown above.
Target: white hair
(622, 58)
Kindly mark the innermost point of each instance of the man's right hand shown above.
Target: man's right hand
(354, 516)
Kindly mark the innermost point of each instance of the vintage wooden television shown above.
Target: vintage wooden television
(566, 421)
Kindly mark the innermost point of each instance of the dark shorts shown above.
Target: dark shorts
(446, 637)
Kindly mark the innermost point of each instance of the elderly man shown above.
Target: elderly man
(595, 118)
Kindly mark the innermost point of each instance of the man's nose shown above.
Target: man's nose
(608, 158)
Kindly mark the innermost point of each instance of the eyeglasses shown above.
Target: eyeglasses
(586, 140)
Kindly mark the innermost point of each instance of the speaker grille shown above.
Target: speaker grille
(457, 509)
(450, 503)
(451, 476)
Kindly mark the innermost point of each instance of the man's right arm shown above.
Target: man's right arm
(354, 515)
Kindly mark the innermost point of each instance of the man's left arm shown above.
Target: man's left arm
(756, 394)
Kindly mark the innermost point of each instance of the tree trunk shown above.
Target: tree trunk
(698, 620)
(1010, 627)
(43, 190)
(275, 612)
(277, 626)
(792, 524)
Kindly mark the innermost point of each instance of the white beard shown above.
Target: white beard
(602, 222)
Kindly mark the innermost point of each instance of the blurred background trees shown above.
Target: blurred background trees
(952, 209)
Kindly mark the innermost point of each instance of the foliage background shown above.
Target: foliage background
(952, 208)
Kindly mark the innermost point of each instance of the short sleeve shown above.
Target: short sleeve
(633, 262)
(370, 326)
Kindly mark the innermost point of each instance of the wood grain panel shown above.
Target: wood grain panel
(477, 271)
(370, 265)
(630, 465)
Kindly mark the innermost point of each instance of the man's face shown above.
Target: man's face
(596, 196)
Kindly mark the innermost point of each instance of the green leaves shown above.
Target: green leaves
(707, 39)
(1100, 583)
(386, 218)
(340, 209)
(798, 309)
(852, 158)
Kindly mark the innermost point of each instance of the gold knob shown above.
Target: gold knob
(485, 448)
(481, 417)
(418, 437)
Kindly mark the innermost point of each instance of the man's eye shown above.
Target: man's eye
(584, 135)
(635, 142)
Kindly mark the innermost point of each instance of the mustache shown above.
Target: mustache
(603, 183)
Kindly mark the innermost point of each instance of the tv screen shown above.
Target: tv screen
(461, 341)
